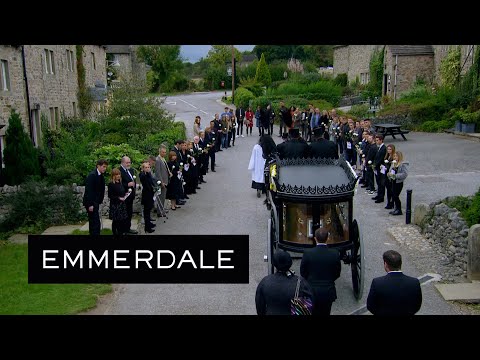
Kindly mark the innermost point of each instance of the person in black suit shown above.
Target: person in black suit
(394, 293)
(240, 116)
(128, 182)
(147, 195)
(295, 147)
(177, 149)
(321, 266)
(380, 174)
(322, 148)
(94, 194)
(275, 291)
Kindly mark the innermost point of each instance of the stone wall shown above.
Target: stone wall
(353, 60)
(340, 60)
(78, 190)
(405, 121)
(442, 50)
(15, 97)
(52, 90)
(97, 73)
(448, 232)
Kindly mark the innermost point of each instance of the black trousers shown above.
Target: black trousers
(381, 185)
(396, 190)
(212, 159)
(94, 221)
(129, 203)
(146, 216)
(370, 178)
(388, 187)
(118, 227)
(322, 307)
(240, 128)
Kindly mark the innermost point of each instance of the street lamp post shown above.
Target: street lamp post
(233, 73)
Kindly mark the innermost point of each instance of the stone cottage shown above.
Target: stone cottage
(124, 62)
(403, 64)
(42, 81)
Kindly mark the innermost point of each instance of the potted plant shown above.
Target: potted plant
(469, 120)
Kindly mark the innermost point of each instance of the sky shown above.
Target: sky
(193, 53)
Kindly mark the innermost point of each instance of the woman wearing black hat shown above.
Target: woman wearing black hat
(275, 292)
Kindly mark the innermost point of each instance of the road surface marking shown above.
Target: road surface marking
(186, 102)
(171, 102)
(204, 112)
(424, 279)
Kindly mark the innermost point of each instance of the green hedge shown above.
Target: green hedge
(243, 97)
(325, 89)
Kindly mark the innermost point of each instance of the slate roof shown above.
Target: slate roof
(118, 49)
(409, 50)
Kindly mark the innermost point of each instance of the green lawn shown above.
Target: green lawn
(18, 297)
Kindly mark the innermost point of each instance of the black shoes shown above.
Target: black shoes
(396, 212)
(214, 171)
(149, 231)
(378, 201)
(132, 231)
(389, 206)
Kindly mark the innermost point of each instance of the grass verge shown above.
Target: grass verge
(18, 297)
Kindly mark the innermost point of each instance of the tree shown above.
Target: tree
(263, 73)
(219, 55)
(20, 156)
(165, 61)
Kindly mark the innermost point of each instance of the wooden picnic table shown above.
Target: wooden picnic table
(390, 129)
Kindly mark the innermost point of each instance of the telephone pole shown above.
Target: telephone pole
(233, 72)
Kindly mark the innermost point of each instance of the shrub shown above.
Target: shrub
(152, 142)
(324, 89)
(19, 155)
(341, 80)
(360, 111)
(114, 153)
(262, 75)
(38, 205)
(243, 97)
(469, 207)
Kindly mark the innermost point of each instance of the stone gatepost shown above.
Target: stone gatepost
(473, 261)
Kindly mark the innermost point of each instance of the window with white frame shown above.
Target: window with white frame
(4, 76)
(49, 62)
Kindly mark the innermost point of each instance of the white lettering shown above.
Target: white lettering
(183, 259)
(158, 259)
(220, 259)
(116, 259)
(91, 255)
(78, 258)
(137, 259)
(45, 259)
(201, 262)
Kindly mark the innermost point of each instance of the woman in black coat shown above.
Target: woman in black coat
(118, 209)
(174, 187)
(275, 292)
(148, 192)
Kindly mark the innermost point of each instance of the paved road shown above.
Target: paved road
(441, 165)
